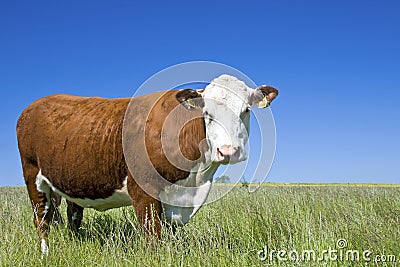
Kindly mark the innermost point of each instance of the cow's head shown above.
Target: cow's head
(226, 103)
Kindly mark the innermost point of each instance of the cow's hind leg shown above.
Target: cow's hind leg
(75, 216)
(43, 209)
(56, 201)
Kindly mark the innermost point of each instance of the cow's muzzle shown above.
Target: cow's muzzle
(228, 154)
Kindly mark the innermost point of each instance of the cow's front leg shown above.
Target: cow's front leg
(148, 211)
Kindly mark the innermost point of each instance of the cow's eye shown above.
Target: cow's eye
(209, 119)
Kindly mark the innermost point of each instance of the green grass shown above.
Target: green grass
(229, 232)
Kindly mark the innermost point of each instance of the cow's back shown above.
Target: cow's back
(76, 142)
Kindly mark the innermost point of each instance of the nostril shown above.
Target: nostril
(220, 153)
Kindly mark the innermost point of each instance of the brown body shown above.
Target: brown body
(77, 144)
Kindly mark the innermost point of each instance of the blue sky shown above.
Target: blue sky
(336, 64)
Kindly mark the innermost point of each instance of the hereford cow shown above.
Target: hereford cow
(107, 153)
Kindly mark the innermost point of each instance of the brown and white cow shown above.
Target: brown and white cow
(97, 153)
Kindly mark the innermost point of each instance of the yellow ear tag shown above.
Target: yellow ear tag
(190, 103)
(263, 103)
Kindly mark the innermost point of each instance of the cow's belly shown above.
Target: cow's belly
(119, 198)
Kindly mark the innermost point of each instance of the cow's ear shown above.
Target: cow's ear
(190, 98)
(264, 95)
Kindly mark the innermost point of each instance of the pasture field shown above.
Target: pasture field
(278, 225)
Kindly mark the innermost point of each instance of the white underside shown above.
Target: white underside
(183, 199)
(119, 198)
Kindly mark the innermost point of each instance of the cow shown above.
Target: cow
(107, 153)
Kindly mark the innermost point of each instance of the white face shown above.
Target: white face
(226, 111)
